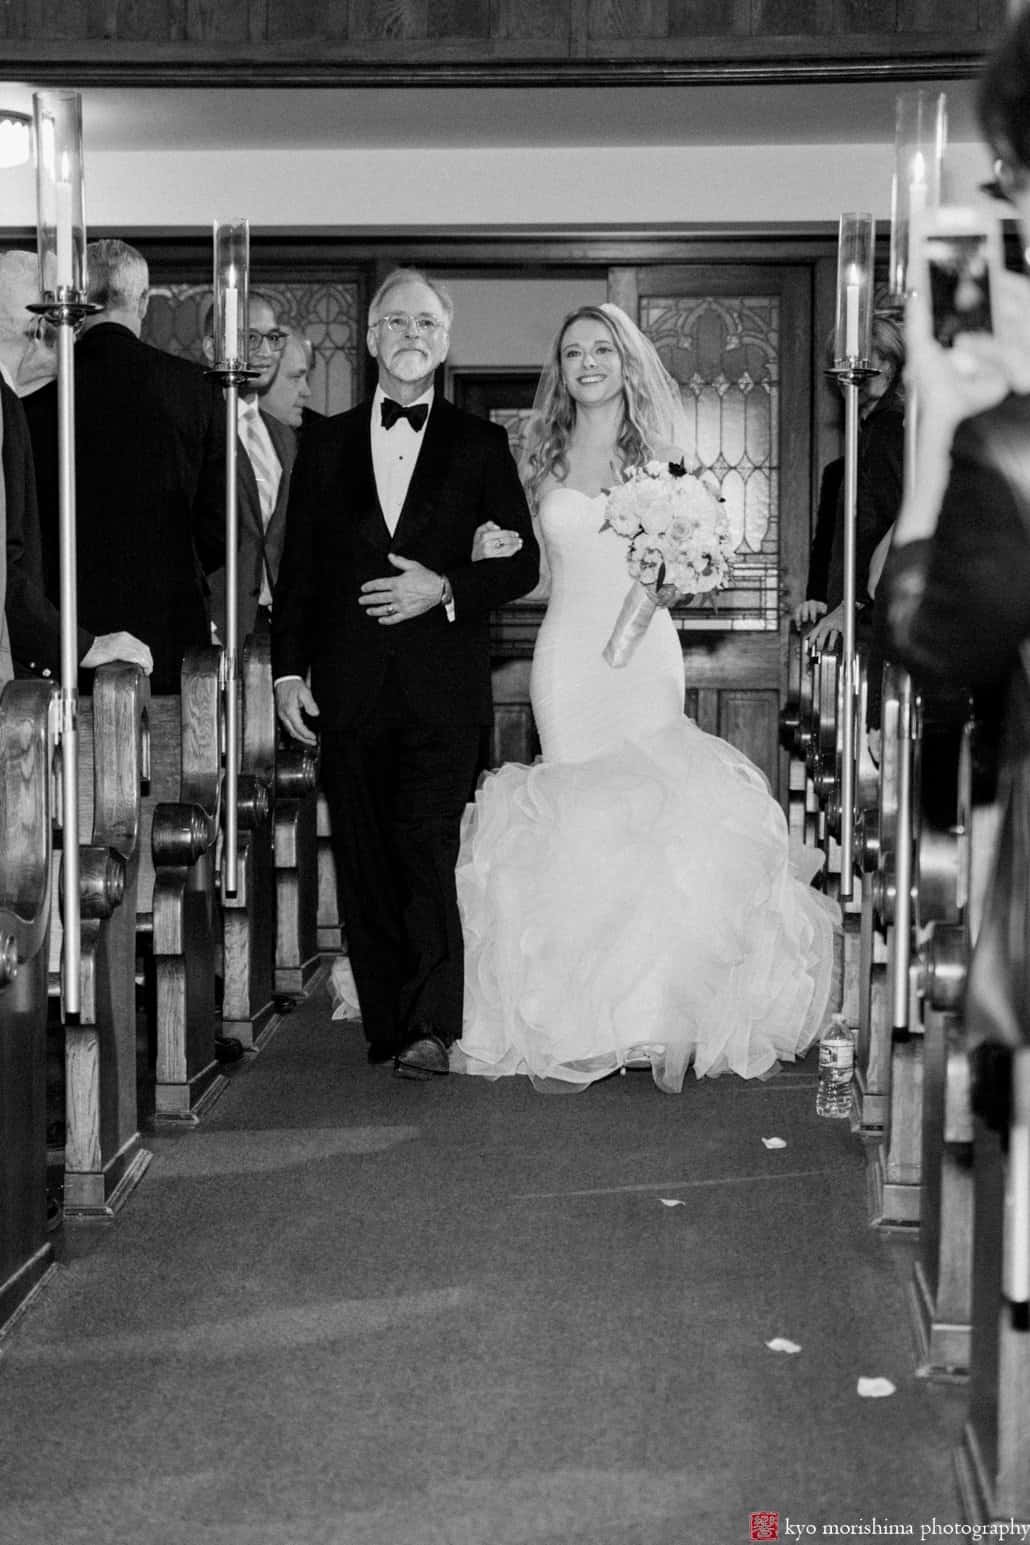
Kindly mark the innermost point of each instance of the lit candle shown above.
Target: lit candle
(63, 197)
(230, 323)
(917, 185)
(851, 296)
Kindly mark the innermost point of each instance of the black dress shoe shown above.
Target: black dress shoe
(381, 1051)
(425, 1056)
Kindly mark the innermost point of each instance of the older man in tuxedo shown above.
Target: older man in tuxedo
(150, 460)
(380, 605)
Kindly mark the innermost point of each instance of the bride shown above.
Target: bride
(629, 898)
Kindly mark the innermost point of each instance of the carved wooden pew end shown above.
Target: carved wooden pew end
(297, 953)
(27, 742)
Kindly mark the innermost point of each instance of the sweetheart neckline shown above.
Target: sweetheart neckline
(560, 488)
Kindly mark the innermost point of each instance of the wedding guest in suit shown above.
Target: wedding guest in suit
(381, 608)
(881, 447)
(290, 391)
(266, 453)
(150, 463)
(28, 359)
(30, 625)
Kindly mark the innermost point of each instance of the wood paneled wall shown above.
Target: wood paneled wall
(354, 40)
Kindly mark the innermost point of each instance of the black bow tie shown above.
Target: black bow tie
(392, 411)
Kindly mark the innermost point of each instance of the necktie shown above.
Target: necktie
(391, 411)
(264, 463)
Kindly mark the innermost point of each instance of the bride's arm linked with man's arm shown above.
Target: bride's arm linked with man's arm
(491, 542)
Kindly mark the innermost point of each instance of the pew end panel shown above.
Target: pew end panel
(104, 1158)
(27, 750)
(179, 906)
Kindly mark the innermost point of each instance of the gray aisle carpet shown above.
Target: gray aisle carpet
(350, 1310)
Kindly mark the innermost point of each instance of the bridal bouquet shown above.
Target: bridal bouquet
(678, 546)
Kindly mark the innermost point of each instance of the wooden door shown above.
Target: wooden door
(738, 340)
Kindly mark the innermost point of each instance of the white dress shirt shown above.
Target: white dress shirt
(394, 454)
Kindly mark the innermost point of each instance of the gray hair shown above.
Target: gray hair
(19, 281)
(399, 276)
(117, 275)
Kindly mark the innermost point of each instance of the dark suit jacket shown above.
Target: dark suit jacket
(881, 456)
(150, 462)
(33, 621)
(337, 539)
(959, 604)
(258, 545)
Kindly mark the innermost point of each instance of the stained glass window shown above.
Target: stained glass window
(724, 352)
(324, 313)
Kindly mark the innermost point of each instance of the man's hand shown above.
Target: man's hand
(117, 646)
(808, 611)
(408, 594)
(491, 542)
(292, 702)
(826, 632)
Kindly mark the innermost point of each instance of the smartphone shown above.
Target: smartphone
(959, 260)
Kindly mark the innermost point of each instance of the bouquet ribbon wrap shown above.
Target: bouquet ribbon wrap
(633, 621)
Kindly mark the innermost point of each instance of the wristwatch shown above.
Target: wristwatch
(447, 597)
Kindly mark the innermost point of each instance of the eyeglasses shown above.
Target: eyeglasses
(275, 339)
(401, 322)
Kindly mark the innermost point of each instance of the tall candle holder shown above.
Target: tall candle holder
(920, 137)
(231, 368)
(852, 365)
(61, 248)
(921, 132)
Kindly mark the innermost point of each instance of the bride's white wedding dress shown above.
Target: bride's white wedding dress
(629, 895)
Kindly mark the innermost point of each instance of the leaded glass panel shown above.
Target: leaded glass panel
(325, 313)
(725, 352)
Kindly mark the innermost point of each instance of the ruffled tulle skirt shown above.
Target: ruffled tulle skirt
(638, 907)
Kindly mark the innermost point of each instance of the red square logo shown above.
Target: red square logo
(765, 1526)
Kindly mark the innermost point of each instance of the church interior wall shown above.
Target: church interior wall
(764, 186)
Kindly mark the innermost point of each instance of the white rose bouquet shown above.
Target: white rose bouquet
(678, 545)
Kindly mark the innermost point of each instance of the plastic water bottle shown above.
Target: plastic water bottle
(836, 1069)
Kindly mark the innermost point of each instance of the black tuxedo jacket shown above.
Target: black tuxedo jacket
(337, 539)
(33, 621)
(150, 500)
(259, 545)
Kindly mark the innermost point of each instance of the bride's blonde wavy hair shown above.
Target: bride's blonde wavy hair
(641, 434)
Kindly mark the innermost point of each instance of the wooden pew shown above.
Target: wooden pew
(248, 916)
(104, 1157)
(27, 737)
(895, 1196)
(291, 774)
(795, 731)
(942, 1277)
(875, 844)
(179, 910)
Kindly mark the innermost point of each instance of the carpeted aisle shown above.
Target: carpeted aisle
(351, 1310)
